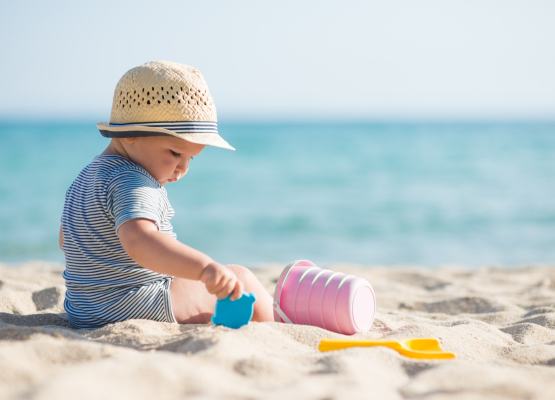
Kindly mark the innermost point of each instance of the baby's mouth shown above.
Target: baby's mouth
(178, 177)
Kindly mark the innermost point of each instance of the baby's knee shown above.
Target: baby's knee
(244, 274)
(247, 277)
(263, 310)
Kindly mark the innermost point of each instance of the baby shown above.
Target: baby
(123, 260)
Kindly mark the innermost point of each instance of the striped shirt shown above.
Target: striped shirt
(103, 283)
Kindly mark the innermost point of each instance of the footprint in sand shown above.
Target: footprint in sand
(414, 368)
(258, 367)
(46, 298)
(329, 364)
(189, 345)
(32, 320)
(424, 281)
(545, 320)
(470, 305)
(539, 310)
(530, 333)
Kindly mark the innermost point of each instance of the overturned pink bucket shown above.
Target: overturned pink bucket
(307, 294)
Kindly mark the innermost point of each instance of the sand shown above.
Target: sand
(499, 321)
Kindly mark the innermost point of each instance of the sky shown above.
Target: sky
(288, 59)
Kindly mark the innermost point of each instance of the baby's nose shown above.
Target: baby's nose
(183, 164)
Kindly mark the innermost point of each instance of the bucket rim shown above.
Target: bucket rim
(281, 283)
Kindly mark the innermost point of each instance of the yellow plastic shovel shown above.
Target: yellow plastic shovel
(421, 348)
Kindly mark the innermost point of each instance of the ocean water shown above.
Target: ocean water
(393, 193)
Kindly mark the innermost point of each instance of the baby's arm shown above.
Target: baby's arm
(162, 253)
(61, 238)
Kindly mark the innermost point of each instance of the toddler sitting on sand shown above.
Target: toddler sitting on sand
(123, 260)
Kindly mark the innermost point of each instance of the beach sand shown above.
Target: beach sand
(500, 322)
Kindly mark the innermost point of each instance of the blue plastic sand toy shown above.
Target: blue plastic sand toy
(234, 314)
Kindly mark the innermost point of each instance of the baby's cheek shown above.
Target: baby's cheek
(186, 167)
(169, 164)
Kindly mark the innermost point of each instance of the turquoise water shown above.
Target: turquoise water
(374, 193)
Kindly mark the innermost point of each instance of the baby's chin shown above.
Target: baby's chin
(171, 180)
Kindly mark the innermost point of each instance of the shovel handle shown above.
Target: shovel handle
(338, 344)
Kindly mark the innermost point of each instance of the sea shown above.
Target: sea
(392, 193)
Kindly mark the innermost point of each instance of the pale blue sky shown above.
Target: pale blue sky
(288, 59)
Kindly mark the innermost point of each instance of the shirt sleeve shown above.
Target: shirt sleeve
(131, 195)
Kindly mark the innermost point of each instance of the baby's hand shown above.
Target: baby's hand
(221, 281)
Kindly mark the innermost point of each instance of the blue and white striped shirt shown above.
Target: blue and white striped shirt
(103, 283)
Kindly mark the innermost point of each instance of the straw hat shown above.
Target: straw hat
(164, 98)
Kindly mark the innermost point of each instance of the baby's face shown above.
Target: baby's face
(166, 158)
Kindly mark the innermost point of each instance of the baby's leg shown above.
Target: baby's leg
(263, 308)
(192, 304)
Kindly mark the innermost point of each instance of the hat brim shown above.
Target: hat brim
(211, 138)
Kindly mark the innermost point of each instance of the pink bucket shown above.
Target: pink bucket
(307, 294)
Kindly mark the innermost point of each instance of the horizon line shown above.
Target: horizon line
(88, 119)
